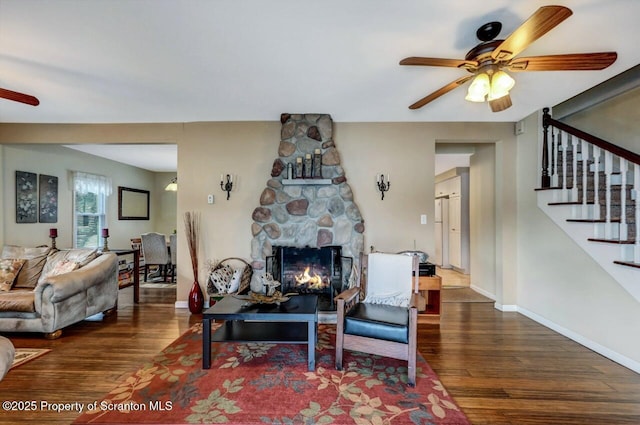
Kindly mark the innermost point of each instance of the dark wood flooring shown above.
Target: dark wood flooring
(501, 368)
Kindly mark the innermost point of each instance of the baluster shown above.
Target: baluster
(596, 182)
(624, 232)
(608, 169)
(565, 193)
(636, 191)
(554, 157)
(545, 179)
(584, 151)
(574, 183)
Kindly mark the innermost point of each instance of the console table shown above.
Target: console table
(136, 272)
(292, 322)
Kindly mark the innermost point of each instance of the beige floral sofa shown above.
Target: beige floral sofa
(45, 290)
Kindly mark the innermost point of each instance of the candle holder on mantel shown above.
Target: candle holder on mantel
(53, 234)
(382, 185)
(105, 237)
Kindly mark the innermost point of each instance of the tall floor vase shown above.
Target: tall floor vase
(196, 298)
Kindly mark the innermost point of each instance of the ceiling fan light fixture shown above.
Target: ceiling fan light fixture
(501, 83)
(500, 104)
(479, 88)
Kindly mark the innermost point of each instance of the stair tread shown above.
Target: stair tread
(614, 241)
(627, 263)
(593, 220)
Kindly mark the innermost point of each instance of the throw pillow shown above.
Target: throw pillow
(30, 272)
(80, 256)
(220, 279)
(61, 267)
(9, 269)
(234, 284)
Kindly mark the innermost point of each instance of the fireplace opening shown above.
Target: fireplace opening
(321, 271)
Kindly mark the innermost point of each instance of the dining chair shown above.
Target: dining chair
(136, 244)
(154, 246)
(173, 250)
(385, 322)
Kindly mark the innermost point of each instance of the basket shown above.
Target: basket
(247, 273)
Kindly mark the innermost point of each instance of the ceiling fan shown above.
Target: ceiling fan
(488, 60)
(19, 97)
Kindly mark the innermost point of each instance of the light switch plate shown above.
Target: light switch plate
(423, 219)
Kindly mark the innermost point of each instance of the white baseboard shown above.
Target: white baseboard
(594, 346)
(511, 308)
(182, 304)
(483, 292)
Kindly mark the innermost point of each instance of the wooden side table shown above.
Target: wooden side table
(430, 287)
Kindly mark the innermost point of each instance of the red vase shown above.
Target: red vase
(196, 299)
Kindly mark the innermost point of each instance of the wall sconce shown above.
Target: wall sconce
(226, 184)
(173, 185)
(383, 186)
(53, 234)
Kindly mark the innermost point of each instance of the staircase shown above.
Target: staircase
(589, 187)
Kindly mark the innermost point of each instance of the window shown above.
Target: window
(90, 199)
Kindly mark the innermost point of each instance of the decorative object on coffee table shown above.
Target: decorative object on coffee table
(269, 285)
(192, 231)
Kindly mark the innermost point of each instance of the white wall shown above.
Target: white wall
(558, 283)
(482, 213)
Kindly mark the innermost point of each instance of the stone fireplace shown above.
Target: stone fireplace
(307, 201)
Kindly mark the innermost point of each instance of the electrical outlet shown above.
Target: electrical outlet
(210, 199)
(423, 219)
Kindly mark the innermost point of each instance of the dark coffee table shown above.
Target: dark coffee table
(292, 322)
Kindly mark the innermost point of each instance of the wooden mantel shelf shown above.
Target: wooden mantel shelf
(308, 182)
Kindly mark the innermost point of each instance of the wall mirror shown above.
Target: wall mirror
(133, 204)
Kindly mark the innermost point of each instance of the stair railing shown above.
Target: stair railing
(594, 155)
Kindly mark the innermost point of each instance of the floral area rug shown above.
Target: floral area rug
(260, 383)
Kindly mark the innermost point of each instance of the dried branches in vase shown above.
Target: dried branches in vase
(192, 231)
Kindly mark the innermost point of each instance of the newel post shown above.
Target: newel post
(546, 179)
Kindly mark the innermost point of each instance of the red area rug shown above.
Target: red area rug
(270, 384)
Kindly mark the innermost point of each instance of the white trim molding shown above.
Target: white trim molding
(592, 345)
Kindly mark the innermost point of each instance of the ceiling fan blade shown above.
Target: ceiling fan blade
(19, 97)
(567, 62)
(444, 90)
(541, 22)
(451, 63)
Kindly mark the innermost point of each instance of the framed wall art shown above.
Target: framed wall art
(48, 211)
(26, 197)
(133, 204)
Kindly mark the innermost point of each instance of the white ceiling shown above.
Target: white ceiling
(158, 158)
(187, 60)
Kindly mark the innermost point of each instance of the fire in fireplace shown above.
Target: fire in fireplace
(310, 270)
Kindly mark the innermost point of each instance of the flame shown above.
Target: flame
(312, 282)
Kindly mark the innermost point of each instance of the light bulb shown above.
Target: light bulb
(479, 88)
(501, 83)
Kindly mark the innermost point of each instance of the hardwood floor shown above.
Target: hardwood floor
(453, 278)
(501, 368)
